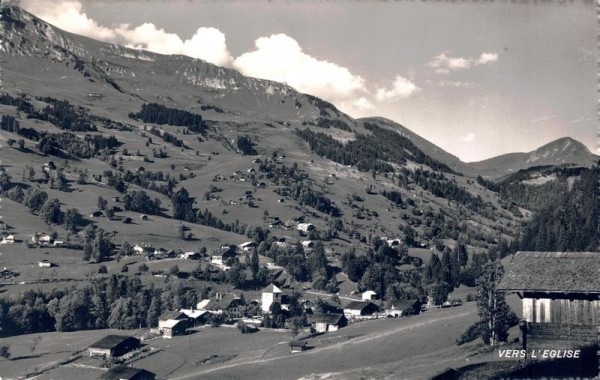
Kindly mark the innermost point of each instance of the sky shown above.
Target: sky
(477, 78)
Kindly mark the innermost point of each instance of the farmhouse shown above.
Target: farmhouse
(220, 303)
(173, 327)
(359, 309)
(560, 292)
(114, 346)
(171, 316)
(402, 308)
(325, 322)
(127, 373)
(196, 317)
(227, 252)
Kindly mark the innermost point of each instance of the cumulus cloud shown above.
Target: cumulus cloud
(67, 15)
(468, 138)
(401, 88)
(207, 43)
(444, 64)
(280, 58)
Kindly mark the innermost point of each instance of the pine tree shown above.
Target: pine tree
(494, 313)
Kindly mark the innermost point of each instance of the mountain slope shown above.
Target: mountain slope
(563, 151)
(427, 147)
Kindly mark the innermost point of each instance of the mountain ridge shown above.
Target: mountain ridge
(222, 87)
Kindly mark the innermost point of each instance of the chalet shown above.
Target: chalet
(360, 309)
(248, 246)
(196, 317)
(560, 292)
(325, 322)
(369, 295)
(305, 227)
(171, 316)
(402, 308)
(220, 303)
(112, 346)
(174, 327)
(9, 239)
(127, 373)
(270, 294)
(45, 264)
(227, 252)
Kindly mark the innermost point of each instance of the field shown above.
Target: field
(414, 347)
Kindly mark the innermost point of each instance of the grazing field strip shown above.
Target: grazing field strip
(337, 346)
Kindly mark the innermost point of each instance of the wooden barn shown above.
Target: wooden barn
(114, 346)
(560, 292)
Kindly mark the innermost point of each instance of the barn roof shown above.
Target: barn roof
(122, 372)
(111, 341)
(329, 318)
(572, 272)
(173, 315)
(357, 305)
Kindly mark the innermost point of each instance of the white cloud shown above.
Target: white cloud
(401, 88)
(67, 15)
(280, 58)
(468, 138)
(443, 63)
(445, 83)
(207, 43)
(487, 58)
(363, 104)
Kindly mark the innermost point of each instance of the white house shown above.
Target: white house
(270, 294)
(10, 239)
